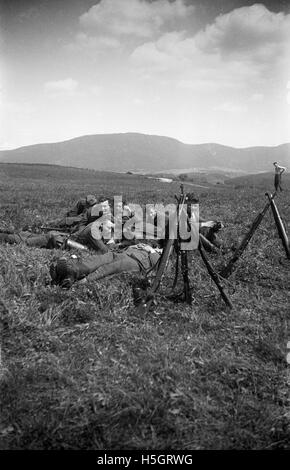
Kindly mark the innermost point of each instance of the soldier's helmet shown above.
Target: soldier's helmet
(91, 200)
(218, 225)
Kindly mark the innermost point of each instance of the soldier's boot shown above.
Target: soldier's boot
(65, 272)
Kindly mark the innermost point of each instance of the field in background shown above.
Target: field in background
(81, 370)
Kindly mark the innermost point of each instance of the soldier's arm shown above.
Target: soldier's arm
(73, 211)
(77, 209)
(281, 169)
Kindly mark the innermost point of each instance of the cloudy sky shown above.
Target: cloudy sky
(196, 70)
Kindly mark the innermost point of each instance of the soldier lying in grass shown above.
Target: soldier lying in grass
(48, 240)
(140, 258)
(91, 237)
(75, 220)
(136, 258)
(54, 239)
(83, 230)
(97, 220)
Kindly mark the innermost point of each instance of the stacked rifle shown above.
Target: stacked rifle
(227, 271)
(182, 255)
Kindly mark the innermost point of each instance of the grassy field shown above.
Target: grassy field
(81, 370)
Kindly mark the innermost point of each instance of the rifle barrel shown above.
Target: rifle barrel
(280, 226)
(57, 229)
(215, 278)
(227, 271)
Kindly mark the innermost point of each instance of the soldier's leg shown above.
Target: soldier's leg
(88, 238)
(280, 183)
(10, 238)
(44, 240)
(38, 241)
(65, 272)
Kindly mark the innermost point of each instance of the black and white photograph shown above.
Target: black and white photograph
(144, 228)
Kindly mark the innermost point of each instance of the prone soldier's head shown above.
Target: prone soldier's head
(217, 226)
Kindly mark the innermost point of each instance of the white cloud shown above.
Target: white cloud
(66, 87)
(166, 53)
(133, 17)
(242, 48)
(191, 68)
(246, 31)
(246, 47)
(121, 24)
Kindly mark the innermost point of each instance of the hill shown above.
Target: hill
(140, 152)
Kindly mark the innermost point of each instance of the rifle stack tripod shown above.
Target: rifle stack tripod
(182, 254)
(186, 294)
(227, 271)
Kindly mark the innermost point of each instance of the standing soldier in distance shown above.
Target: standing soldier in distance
(279, 170)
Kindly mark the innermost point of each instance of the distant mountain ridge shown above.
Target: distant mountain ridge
(142, 152)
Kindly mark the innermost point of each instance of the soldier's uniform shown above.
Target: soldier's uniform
(81, 205)
(136, 258)
(210, 233)
(77, 216)
(90, 236)
(279, 170)
(48, 240)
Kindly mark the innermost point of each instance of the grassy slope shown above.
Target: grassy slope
(80, 369)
